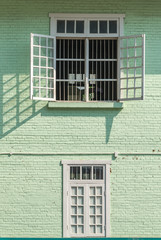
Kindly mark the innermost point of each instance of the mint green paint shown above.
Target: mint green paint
(31, 186)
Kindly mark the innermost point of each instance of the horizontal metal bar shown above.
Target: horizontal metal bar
(102, 80)
(41, 35)
(70, 59)
(102, 60)
(132, 36)
(69, 80)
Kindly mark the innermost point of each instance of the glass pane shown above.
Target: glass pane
(93, 26)
(70, 26)
(97, 172)
(74, 200)
(60, 26)
(99, 210)
(99, 219)
(74, 229)
(103, 26)
(99, 200)
(80, 210)
(79, 26)
(99, 229)
(92, 190)
(92, 220)
(80, 191)
(74, 220)
(92, 210)
(74, 191)
(74, 173)
(74, 210)
(99, 191)
(80, 200)
(92, 200)
(80, 229)
(112, 26)
(80, 220)
(86, 172)
(92, 229)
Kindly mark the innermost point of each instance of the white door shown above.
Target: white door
(86, 202)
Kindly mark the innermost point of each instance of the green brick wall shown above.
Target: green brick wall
(31, 186)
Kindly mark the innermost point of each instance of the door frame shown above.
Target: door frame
(66, 164)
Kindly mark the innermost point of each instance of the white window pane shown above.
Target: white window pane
(99, 200)
(92, 210)
(99, 210)
(74, 229)
(74, 191)
(99, 190)
(80, 210)
(80, 191)
(92, 219)
(92, 191)
(74, 210)
(80, 201)
(80, 229)
(92, 229)
(92, 200)
(74, 200)
(99, 220)
(80, 219)
(98, 229)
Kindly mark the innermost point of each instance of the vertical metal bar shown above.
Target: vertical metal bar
(72, 69)
(109, 70)
(64, 67)
(118, 69)
(112, 69)
(104, 70)
(100, 70)
(143, 65)
(31, 66)
(68, 69)
(87, 69)
(59, 69)
(96, 68)
(81, 66)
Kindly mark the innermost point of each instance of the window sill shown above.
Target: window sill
(96, 105)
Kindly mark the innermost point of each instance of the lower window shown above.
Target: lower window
(86, 200)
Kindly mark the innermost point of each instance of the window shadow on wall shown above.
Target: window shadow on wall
(16, 109)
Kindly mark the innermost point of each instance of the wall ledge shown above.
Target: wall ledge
(77, 105)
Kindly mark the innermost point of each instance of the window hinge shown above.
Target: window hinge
(67, 193)
(67, 227)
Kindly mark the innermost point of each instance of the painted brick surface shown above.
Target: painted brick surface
(31, 186)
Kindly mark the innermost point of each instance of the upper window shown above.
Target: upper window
(86, 58)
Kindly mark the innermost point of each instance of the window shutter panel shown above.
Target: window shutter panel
(43, 65)
(131, 68)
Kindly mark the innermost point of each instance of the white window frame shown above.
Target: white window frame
(66, 173)
(125, 91)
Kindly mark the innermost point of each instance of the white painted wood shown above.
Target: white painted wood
(127, 78)
(104, 184)
(87, 16)
(87, 69)
(86, 162)
(31, 66)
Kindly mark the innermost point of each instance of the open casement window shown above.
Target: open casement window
(93, 66)
(132, 64)
(43, 67)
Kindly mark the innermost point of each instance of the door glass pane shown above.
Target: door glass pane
(60, 26)
(103, 26)
(97, 173)
(70, 26)
(79, 26)
(112, 26)
(93, 26)
(86, 172)
(74, 173)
